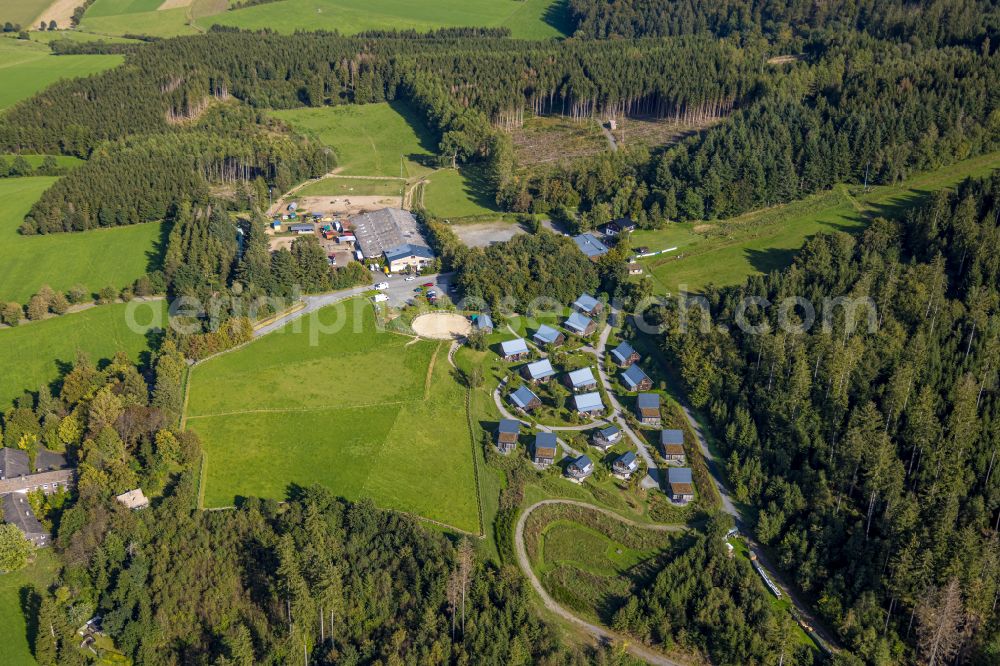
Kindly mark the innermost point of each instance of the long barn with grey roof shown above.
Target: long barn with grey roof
(386, 231)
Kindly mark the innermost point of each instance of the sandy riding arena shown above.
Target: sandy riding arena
(441, 325)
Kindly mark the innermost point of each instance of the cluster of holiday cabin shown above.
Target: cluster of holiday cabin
(625, 465)
(507, 433)
(647, 408)
(548, 337)
(580, 468)
(606, 437)
(539, 372)
(514, 350)
(634, 379)
(525, 400)
(545, 449)
(680, 485)
(672, 446)
(623, 355)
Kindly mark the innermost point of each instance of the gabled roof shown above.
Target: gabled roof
(627, 459)
(133, 499)
(587, 402)
(545, 441)
(578, 322)
(48, 461)
(671, 437)
(648, 401)
(523, 397)
(586, 302)
(13, 463)
(633, 376)
(590, 246)
(610, 431)
(622, 352)
(583, 462)
(679, 475)
(17, 511)
(483, 321)
(509, 426)
(546, 334)
(512, 347)
(582, 377)
(407, 250)
(540, 369)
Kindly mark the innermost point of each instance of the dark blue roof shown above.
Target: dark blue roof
(679, 474)
(633, 376)
(626, 458)
(583, 461)
(590, 245)
(546, 334)
(522, 397)
(578, 322)
(408, 250)
(647, 400)
(610, 431)
(509, 426)
(671, 437)
(546, 440)
(586, 302)
(623, 351)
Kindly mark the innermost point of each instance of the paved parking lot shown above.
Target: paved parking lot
(400, 291)
(486, 233)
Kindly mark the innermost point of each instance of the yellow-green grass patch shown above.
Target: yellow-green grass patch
(458, 193)
(27, 67)
(368, 413)
(39, 353)
(22, 12)
(527, 19)
(155, 23)
(16, 588)
(386, 139)
(96, 259)
(345, 187)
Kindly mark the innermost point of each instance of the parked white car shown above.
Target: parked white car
(410, 278)
(381, 286)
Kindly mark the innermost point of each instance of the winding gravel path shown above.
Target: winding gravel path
(600, 633)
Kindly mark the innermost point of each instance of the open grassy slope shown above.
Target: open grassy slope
(38, 353)
(27, 67)
(15, 587)
(453, 193)
(726, 252)
(527, 19)
(367, 413)
(95, 259)
(369, 139)
(22, 12)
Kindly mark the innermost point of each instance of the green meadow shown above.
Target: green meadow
(99, 258)
(367, 413)
(527, 19)
(27, 67)
(14, 586)
(386, 139)
(725, 252)
(458, 193)
(38, 353)
(339, 187)
(22, 12)
(115, 7)
(155, 23)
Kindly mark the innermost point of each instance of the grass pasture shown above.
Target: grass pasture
(725, 252)
(457, 193)
(15, 588)
(155, 22)
(367, 413)
(22, 12)
(116, 7)
(95, 259)
(369, 139)
(39, 353)
(527, 19)
(27, 67)
(339, 187)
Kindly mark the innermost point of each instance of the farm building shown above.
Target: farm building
(507, 433)
(302, 228)
(525, 400)
(605, 438)
(384, 230)
(546, 446)
(546, 335)
(580, 469)
(680, 484)
(17, 511)
(635, 379)
(589, 403)
(625, 465)
(647, 407)
(133, 499)
(48, 475)
(408, 256)
(624, 355)
(483, 323)
(672, 445)
(588, 305)
(580, 324)
(634, 269)
(539, 371)
(581, 380)
(514, 350)
(591, 246)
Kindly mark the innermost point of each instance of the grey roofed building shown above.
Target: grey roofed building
(626, 463)
(624, 354)
(546, 448)
(407, 250)
(546, 335)
(635, 379)
(17, 511)
(524, 398)
(484, 322)
(581, 468)
(580, 324)
(648, 401)
(14, 463)
(672, 437)
(582, 378)
(509, 426)
(587, 304)
(589, 402)
(302, 227)
(516, 347)
(590, 245)
(680, 484)
(608, 435)
(48, 461)
(385, 229)
(539, 370)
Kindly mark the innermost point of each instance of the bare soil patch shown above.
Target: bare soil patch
(653, 132)
(486, 233)
(337, 206)
(441, 326)
(554, 139)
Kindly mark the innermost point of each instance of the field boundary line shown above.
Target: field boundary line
(430, 373)
(475, 464)
(296, 410)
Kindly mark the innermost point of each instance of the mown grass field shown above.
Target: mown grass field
(456, 193)
(726, 252)
(369, 139)
(99, 258)
(155, 23)
(38, 575)
(38, 353)
(339, 187)
(27, 67)
(22, 12)
(367, 413)
(527, 19)
(115, 7)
